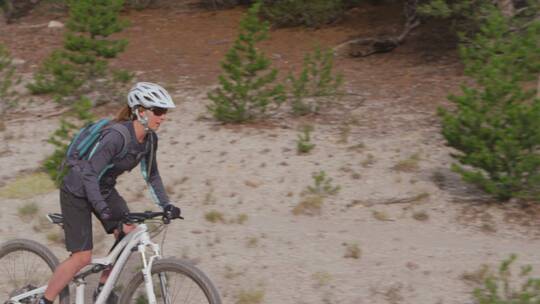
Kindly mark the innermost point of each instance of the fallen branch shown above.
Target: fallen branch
(363, 47)
(392, 201)
(39, 116)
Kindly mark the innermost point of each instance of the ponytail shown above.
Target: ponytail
(124, 114)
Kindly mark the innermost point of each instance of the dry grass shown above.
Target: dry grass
(28, 210)
(241, 218)
(420, 216)
(420, 197)
(310, 205)
(250, 296)
(321, 278)
(252, 242)
(478, 276)
(380, 215)
(392, 294)
(28, 186)
(352, 251)
(214, 217)
(230, 273)
(357, 148)
(209, 197)
(42, 224)
(368, 161)
(344, 133)
(408, 165)
(55, 237)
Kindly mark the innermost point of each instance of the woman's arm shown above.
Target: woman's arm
(153, 178)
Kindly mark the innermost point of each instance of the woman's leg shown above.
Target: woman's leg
(105, 274)
(66, 271)
(119, 207)
(78, 234)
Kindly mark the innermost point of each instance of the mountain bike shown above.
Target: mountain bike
(23, 263)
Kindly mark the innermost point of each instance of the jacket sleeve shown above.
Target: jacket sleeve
(100, 161)
(157, 190)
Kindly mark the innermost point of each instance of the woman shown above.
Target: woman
(89, 185)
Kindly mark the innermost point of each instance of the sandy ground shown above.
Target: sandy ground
(418, 228)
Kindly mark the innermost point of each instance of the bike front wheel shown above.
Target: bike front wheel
(24, 266)
(175, 282)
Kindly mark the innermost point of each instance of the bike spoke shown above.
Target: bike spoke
(181, 290)
(21, 269)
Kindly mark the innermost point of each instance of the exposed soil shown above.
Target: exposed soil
(419, 228)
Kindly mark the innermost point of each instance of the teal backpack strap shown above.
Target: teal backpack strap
(126, 135)
(123, 130)
(94, 134)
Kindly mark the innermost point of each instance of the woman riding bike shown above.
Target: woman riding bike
(89, 188)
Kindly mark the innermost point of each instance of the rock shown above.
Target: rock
(18, 61)
(55, 24)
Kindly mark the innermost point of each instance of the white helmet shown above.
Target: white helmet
(149, 95)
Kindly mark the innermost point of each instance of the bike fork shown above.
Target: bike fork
(164, 288)
(147, 271)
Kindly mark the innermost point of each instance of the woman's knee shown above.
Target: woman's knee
(128, 228)
(82, 258)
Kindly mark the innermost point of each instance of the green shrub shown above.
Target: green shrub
(312, 13)
(123, 76)
(73, 70)
(61, 138)
(8, 97)
(504, 288)
(303, 143)
(246, 90)
(322, 185)
(80, 67)
(495, 127)
(316, 81)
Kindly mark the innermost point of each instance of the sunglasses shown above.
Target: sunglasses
(158, 111)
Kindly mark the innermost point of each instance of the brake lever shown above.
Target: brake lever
(166, 220)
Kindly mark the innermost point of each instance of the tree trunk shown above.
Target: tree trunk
(538, 88)
(506, 7)
(17, 8)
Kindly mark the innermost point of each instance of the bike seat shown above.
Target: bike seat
(55, 218)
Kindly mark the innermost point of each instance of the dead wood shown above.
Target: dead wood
(363, 47)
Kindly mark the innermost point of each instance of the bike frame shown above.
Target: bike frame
(139, 239)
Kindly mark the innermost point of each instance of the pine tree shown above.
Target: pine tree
(496, 125)
(69, 72)
(246, 90)
(316, 81)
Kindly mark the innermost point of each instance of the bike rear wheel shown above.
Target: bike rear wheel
(26, 265)
(175, 280)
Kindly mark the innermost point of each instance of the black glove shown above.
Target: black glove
(171, 211)
(106, 214)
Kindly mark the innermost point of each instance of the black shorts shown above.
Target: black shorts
(77, 214)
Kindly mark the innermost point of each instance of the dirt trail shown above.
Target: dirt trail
(381, 145)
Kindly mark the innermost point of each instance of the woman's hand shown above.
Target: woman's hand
(172, 211)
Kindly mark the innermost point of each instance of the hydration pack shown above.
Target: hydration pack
(87, 140)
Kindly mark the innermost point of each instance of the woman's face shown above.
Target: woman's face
(156, 116)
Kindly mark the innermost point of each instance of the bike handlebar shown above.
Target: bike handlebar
(140, 217)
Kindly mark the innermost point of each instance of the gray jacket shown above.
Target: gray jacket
(95, 178)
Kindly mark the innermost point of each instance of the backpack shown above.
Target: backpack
(86, 141)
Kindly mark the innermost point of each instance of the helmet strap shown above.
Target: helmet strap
(142, 119)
